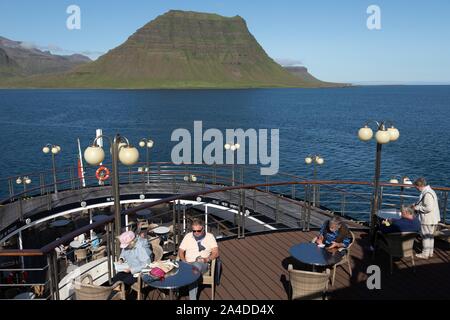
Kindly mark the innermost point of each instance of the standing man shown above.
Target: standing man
(198, 248)
(428, 209)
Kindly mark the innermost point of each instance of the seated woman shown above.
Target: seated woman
(407, 223)
(334, 234)
(135, 253)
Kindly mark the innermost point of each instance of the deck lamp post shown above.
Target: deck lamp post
(315, 160)
(233, 148)
(53, 150)
(147, 144)
(190, 178)
(25, 181)
(128, 155)
(383, 136)
(403, 180)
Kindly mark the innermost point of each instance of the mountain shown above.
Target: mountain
(8, 67)
(303, 74)
(32, 61)
(181, 49)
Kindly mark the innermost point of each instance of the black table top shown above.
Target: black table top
(100, 217)
(185, 275)
(146, 213)
(310, 253)
(60, 223)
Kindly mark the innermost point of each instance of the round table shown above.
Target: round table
(160, 231)
(100, 217)
(59, 223)
(185, 275)
(144, 214)
(389, 214)
(310, 253)
(25, 296)
(76, 244)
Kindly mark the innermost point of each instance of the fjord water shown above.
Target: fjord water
(324, 121)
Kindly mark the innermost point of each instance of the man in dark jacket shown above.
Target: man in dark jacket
(407, 223)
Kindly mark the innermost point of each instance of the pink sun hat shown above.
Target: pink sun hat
(126, 238)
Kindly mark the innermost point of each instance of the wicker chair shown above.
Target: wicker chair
(156, 241)
(81, 254)
(398, 245)
(345, 260)
(158, 253)
(209, 277)
(142, 224)
(308, 285)
(443, 233)
(89, 291)
(98, 253)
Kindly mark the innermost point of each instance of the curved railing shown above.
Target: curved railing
(177, 211)
(346, 197)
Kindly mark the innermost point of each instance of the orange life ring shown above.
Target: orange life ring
(102, 173)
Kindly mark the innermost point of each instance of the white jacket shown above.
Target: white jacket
(428, 207)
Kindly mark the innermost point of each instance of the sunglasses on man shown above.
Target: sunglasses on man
(197, 231)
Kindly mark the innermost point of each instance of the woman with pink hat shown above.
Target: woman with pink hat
(135, 256)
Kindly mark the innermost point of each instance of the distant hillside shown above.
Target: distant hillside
(8, 67)
(181, 50)
(303, 74)
(30, 61)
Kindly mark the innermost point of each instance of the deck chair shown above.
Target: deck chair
(308, 285)
(397, 245)
(98, 253)
(443, 233)
(139, 285)
(142, 224)
(89, 291)
(152, 226)
(345, 259)
(209, 277)
(81, 254)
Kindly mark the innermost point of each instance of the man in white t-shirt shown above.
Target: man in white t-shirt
(198, 248)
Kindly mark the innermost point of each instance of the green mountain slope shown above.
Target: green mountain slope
(180, 50)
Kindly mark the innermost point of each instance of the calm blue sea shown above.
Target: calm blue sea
(322, 121)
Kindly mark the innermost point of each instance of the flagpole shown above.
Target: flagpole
(80, 159)
(80, 164)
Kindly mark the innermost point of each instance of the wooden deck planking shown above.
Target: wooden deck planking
(254, 268)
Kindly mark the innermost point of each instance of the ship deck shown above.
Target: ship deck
(256, 268)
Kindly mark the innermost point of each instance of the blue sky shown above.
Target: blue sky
(327, 36)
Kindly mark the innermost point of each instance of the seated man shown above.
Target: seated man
(135, 253)
(407, 223)
(198, 248)
(334, 234)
